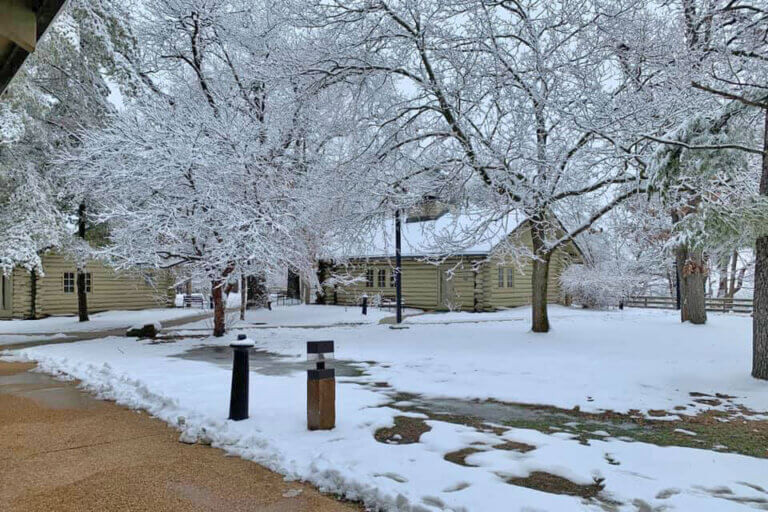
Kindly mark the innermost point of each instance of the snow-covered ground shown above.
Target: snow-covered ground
(301, 315)
(635, 359)
(21, 331)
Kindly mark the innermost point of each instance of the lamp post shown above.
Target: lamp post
(398, 270)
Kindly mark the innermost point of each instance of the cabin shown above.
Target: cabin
(29, 295)
(22, 24)
(451, 260)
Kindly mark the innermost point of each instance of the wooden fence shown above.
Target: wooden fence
(724, 305)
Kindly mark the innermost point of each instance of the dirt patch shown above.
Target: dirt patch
(553, 484)
(407, 430)
(514, 446)
(714, 402)
(460, 456)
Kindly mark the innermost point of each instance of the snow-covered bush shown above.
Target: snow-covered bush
(603, 284)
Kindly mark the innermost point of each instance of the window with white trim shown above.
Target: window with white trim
(69, 282)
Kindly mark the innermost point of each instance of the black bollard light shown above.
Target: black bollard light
(321, 387)
(365, 304)
(238, 398)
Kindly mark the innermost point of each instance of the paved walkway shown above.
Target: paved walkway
(45, 337)
(62, 450)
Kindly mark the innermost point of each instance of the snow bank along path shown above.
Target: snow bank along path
(597, 360)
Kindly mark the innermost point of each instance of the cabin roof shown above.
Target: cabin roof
(451, 233)
(23, 24)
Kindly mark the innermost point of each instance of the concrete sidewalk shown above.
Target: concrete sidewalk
(73, 336)
(62, 450)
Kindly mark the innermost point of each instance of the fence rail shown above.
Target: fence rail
(721, 304)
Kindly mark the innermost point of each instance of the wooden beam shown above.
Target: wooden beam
(18, 23)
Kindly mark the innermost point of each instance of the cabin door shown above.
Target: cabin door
(447, 293)
(6, 292)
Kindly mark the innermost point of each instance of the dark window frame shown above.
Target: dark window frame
(381, 278)
(369, 278)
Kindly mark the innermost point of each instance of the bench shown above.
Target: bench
(390, 302)
(195, 299)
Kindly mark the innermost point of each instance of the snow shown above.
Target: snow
(460, 232)
(597, 360)
(302, 315)
(107, 320)
(15, 339)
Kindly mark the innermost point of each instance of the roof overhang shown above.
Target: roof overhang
(22, 24)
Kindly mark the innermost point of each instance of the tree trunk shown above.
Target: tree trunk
(722, 286)
(82, 298)
(693, 276)
(243, 296)
(217, 292)
(33, 294)
(539, 282)
(760, 313)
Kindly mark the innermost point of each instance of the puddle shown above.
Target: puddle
(267, 363)
(45, 390)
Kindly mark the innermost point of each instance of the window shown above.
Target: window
(369, 278)
(392, 278)
(382, 278)
(69, 282)
(501, 277)
(510, 278)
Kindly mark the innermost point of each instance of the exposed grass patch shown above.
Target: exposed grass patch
(407, 430)
(554, 484)
(714, 430)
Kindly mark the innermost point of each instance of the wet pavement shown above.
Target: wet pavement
(267, 363)
(63, 450)
(71, 337)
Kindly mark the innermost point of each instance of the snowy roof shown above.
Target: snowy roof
(452, 233)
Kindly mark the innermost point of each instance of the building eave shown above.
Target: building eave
(16, 41)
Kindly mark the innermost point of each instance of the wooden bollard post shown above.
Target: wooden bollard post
(321, 387)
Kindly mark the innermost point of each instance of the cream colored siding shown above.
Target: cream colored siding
(110, 290)
(474, 284)
(421, 283)
(22, 293)
(520, 294)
